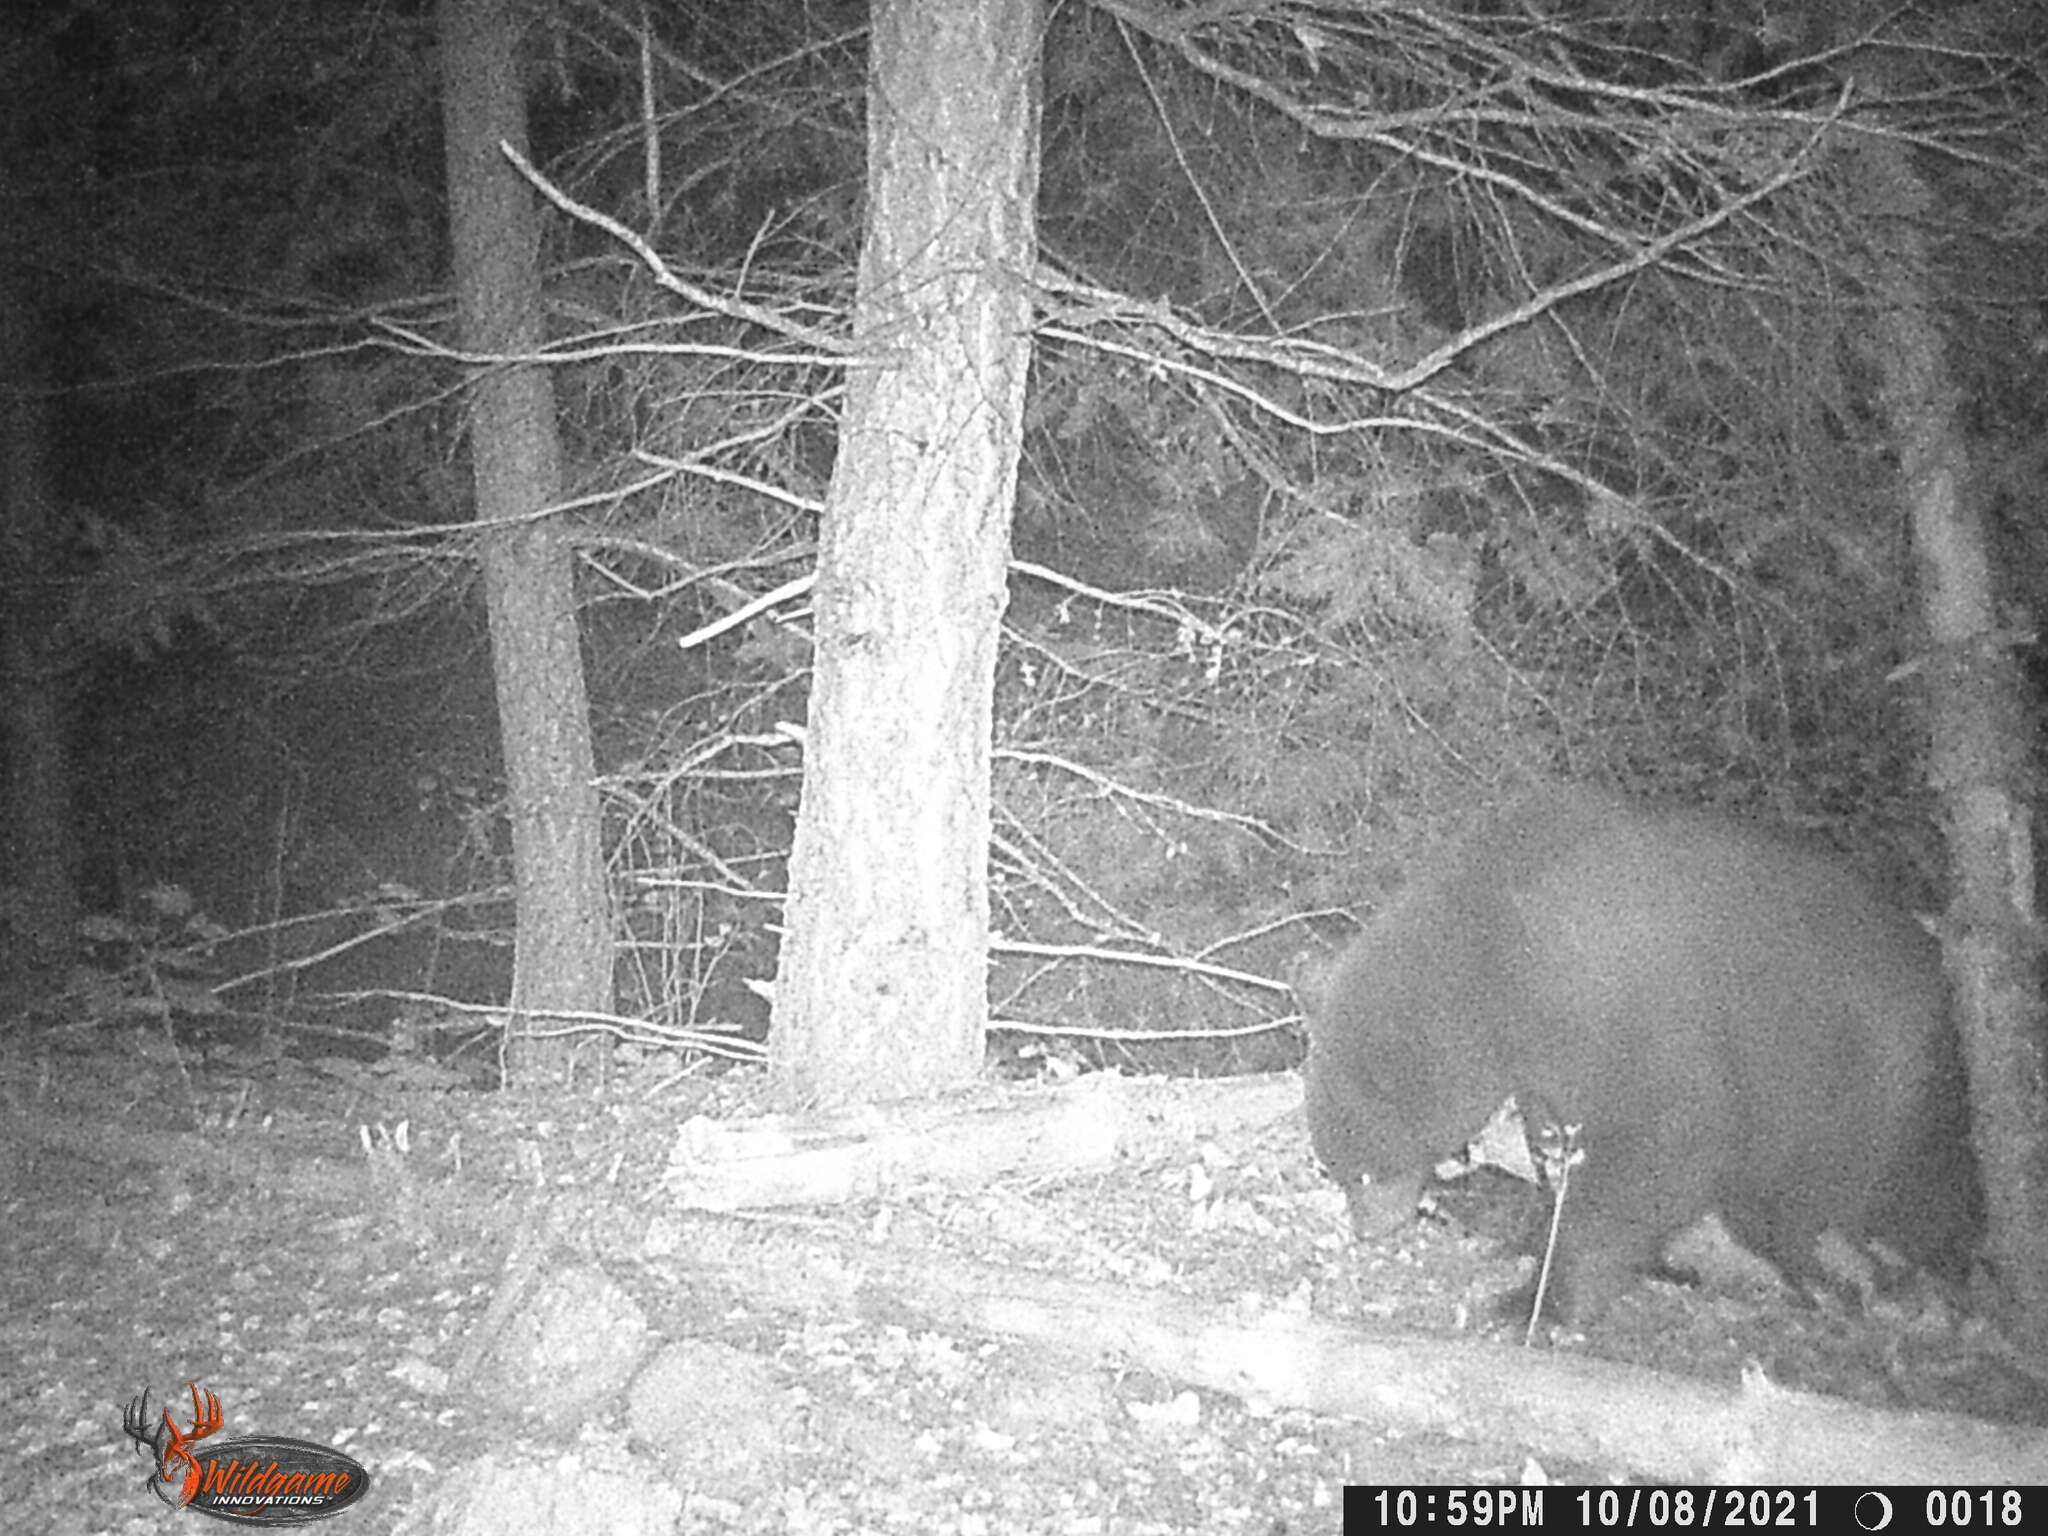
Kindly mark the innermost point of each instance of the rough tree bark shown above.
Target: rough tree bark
(883, 981)
(1980, 747)
(563, 960)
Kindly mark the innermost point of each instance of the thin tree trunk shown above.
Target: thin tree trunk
(883, 988)
(1979, 758)
(563, 960)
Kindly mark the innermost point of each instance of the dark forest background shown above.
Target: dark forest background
(1426, 400)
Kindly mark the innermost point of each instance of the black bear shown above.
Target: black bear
(1735, 1021)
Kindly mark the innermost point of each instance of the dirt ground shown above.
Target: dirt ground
(320, 1242)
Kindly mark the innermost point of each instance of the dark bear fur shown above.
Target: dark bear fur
(1735, 1021)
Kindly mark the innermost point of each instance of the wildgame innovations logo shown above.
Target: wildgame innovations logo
(263, 1480)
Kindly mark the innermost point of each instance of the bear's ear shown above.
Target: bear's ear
(1309, 974)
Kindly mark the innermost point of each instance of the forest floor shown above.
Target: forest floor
(321, 1243)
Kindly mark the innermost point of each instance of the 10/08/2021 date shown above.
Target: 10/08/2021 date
(1591, 1508)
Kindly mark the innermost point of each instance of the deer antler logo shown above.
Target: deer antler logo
(175, 1463)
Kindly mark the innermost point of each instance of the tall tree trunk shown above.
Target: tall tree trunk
(563, 960)
(1978, 728)
(38, 842)
(883, 988)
